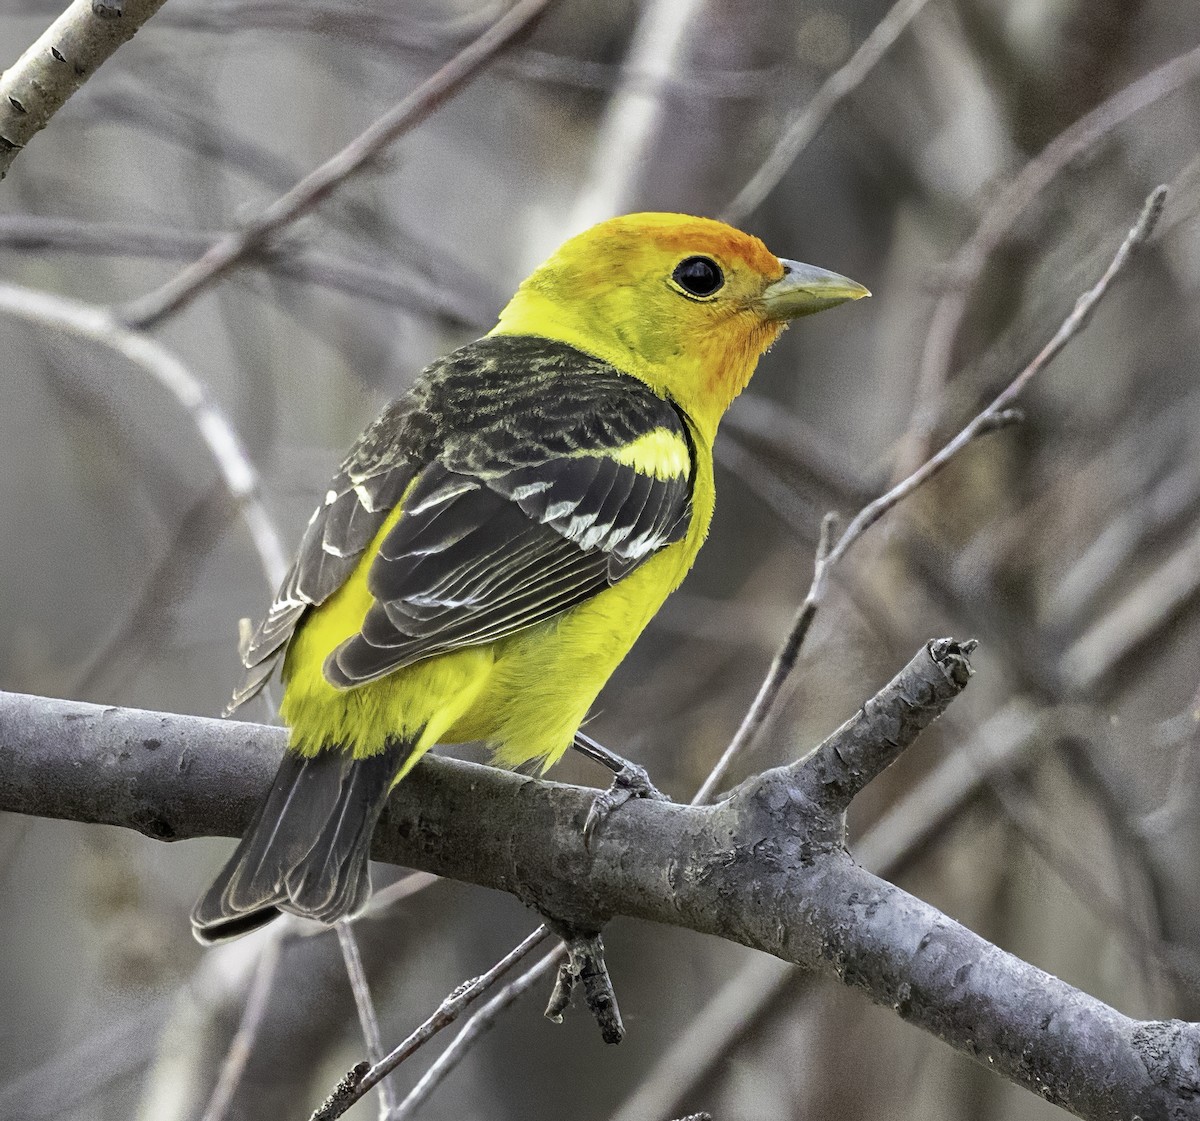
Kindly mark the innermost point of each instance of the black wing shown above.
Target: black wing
(354, 509)
(517, 509)
(473, 558)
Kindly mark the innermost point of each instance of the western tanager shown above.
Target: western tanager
(495, 542)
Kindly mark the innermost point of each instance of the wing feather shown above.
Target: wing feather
(334, 540)
(516, 507)
(495, 559)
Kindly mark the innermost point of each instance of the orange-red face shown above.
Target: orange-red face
(687, 304)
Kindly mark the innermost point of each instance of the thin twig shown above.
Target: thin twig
(800, 132)
(34, 233)
(448, 1011)
(402, 889)
(367, 1018)
(475, 1027)
(242, 1045)
(319, 184)
(234, 466)
(997, 415)
(968, 263)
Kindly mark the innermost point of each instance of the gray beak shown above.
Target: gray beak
(804, 289)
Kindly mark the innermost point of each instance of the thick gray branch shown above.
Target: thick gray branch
(38, 84)
(873, 738)
(764, 868)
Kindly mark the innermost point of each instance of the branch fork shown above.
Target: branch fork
(797, 812)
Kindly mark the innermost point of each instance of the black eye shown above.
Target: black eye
(698, 275)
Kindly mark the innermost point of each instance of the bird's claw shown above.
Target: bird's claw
(631, 781)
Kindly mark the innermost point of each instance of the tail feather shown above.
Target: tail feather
(307, 850)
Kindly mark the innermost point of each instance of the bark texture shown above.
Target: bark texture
(65, 56)
(766, 867)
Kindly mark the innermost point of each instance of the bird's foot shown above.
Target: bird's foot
(630, 780)
(585, 966)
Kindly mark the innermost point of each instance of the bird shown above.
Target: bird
(495, 542)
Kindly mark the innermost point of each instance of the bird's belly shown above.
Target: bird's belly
(525, 695)
(545, 678)
(417, 703)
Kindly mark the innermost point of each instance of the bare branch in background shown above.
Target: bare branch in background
(234, 466)
(807, 124)
(962, 272)
(235, 248)
(33, 234)
(996, 415)
(38, 84)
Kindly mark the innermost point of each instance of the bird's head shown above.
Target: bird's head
(686, 304)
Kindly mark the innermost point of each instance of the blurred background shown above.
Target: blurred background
(977, 175)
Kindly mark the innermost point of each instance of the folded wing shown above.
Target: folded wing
(520, 500)
(474, 558)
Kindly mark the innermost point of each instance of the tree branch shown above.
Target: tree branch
(36, 234)
(315, 187)
(38, 84)
(965, 267)
(766, 868)
(238, 474)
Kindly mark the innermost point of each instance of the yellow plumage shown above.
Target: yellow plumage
(526, 694)
(496, 542)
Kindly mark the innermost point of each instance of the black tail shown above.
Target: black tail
(307, 849)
